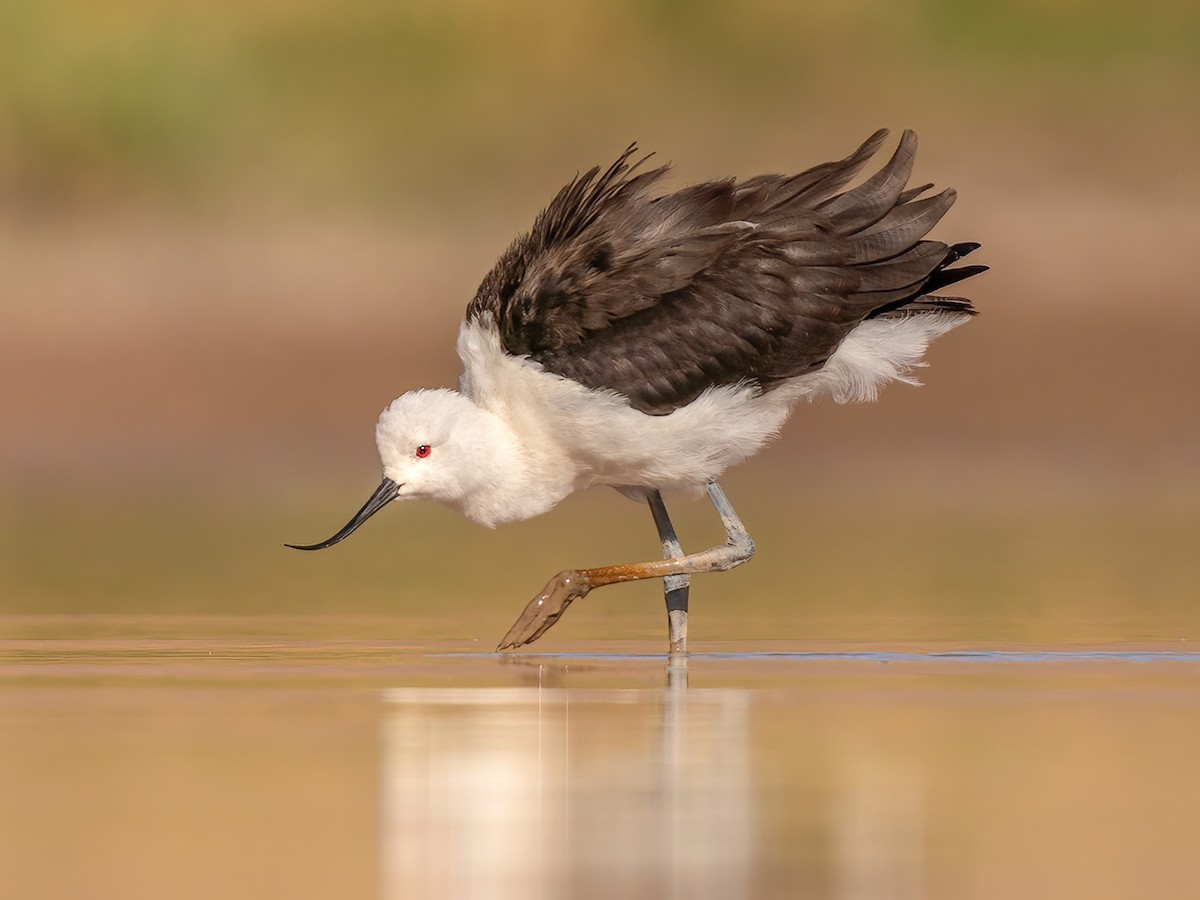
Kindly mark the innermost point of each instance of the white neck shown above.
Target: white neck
(507, 481)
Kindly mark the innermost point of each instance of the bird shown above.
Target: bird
(648, 340)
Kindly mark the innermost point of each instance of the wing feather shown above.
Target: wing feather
(659, 297)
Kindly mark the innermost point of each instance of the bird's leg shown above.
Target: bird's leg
(675, 587)
(547, 607)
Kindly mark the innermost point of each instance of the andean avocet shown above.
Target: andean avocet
(649, 341)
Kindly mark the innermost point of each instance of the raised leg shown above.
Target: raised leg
(547, 607)
(675, 587)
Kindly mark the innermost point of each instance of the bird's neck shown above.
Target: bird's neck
(534, 471)
(511, 480)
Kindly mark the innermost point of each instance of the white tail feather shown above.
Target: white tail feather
(876, 352)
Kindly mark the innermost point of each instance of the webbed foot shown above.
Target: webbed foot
(545, 609)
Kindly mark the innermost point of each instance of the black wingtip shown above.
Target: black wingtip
(958, 251)
(947, 277)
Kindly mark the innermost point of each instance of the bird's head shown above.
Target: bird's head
(434, 445)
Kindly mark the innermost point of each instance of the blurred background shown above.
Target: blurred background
(230, 233)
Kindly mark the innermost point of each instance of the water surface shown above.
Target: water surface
(246, 757)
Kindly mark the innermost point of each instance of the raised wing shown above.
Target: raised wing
(660, 297)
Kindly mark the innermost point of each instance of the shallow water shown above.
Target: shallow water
(256, 757)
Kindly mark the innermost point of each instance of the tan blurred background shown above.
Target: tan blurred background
(231, 232)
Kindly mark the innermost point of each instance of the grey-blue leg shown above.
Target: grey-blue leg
(568, 586)
(675, 587)
(739, 547)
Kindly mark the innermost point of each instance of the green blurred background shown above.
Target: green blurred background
(231, 232)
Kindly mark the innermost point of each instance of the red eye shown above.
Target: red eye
(423, 451)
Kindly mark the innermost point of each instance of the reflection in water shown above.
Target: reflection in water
(141, 770)
(550, 792)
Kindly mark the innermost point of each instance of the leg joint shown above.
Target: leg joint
(735, 551)
(744, 544)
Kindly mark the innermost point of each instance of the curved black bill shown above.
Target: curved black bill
(384, 494)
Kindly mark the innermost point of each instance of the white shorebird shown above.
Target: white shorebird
(649, 342)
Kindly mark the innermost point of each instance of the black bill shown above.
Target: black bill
(384, 494)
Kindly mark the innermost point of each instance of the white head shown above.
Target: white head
(439, 445)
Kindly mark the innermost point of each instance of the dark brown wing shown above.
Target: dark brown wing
(659, 298)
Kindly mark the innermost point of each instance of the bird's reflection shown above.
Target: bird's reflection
(552, 791)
